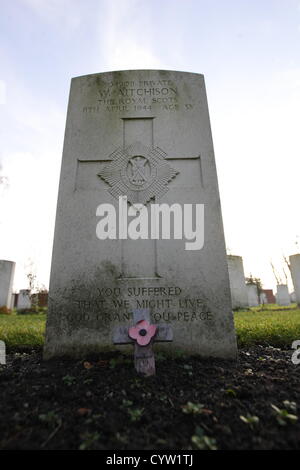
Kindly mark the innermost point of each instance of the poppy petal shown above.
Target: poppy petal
(152, 330)
(144, 340)
(133, 332)
(142, 324)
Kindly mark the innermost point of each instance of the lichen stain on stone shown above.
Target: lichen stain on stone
(110, 269)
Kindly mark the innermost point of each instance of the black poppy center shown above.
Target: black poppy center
(143, 332)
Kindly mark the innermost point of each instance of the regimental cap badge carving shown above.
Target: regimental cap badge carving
(139, 172)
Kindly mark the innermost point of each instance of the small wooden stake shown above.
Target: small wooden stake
(144, 360)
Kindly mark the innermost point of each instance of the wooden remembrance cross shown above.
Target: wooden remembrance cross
(143, 334)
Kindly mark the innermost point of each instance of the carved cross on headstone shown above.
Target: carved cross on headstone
(143, 334)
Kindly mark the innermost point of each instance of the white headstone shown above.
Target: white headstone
(253, 300)
(282, 295)
(295, 273)
(12, 301)
(24, 299)
(293, 297)
(2, 352)
(7, 271)
(239, 296)
(142, 136)
(263, 298)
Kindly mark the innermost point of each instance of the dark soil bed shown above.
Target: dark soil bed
(100, 403)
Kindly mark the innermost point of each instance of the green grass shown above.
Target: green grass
(20, 331)
(278, 328)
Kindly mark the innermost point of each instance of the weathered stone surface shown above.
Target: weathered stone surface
(2, 352)
(282, 295)
(253, 300)
(263, 299)
(145, 134)
(7, 271)
(295, 273)
(24, 300)
(238, 289)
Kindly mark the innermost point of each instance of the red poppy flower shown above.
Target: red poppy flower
(142, 332)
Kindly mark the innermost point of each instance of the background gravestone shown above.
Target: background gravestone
(295, 273)
(263, 299)
(113, 118)
(7, 271)
(253, 300)
(239, 295)
(282, 295)
(24, 300)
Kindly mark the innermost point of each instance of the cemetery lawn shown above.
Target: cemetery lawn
(99, 402)
(274, 326)
(22, 331)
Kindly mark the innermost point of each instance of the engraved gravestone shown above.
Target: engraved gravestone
(138, 222)
(24, 299)
(7, 271)
(239, 295)
(295, 273)
(282, 295)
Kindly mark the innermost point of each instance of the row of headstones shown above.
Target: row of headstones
(242, 294)
(117, 154)
(21, 300)
(246, 295)
(7, 271)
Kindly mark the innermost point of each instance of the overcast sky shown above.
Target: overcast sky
(249, 53)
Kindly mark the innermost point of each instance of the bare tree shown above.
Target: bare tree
(31, 281)
(256, 281)
(287, 262)
(277, 277)
(31, 277)
(286, 277)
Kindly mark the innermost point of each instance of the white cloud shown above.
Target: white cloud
(30, 158)
(257, 146)
(125, 41)
(56, 12)
(2, 92)
(255, 117)
(27, 213)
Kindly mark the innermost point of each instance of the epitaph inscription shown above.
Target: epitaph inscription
(166, 304)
